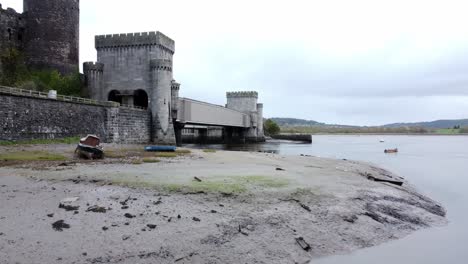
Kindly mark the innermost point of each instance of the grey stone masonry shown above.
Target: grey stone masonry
(46, 33)
(247, 102)
(23, 117)
(136, 69)
(175, 87)
(126, 125)
(52, 34)
(135, 39)
(12, 28)
(93, 73)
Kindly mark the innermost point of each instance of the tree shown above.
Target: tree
(16, 74)
(271, 128)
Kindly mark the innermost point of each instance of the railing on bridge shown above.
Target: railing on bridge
(64, 98)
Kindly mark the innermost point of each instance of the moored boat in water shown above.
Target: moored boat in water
(391, 150)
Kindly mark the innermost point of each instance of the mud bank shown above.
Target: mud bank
(241, 208)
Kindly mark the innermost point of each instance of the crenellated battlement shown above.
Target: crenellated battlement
(175, 85)
(161, 64)
(93, 66)
(135, 39)
(250, 94)
(9, 11)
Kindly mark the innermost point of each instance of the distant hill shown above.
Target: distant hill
(433, 124)
(438, 124)
(283, 121)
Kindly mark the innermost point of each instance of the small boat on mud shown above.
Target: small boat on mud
(89, 148)
(161, 148)
(391, 151)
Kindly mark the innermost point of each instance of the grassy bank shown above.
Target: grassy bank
(68, 140)
(31, 156)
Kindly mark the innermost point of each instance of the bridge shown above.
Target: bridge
(239, 120)
(201, 113)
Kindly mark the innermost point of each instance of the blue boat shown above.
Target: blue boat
(160, 148)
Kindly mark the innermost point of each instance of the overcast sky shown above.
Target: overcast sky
(364, 62)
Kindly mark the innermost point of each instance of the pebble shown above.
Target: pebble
(129, 215)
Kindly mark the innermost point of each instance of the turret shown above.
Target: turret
(175, 87)
(93, 73)
(246, 102)
(161, 77)
(260, 133)
(52, 34)
(242, 101)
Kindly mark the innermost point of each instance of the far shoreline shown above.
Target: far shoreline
(380, 134)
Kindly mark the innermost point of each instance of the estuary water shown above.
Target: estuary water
(436, 165)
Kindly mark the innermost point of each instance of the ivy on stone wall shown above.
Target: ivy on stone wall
(12, 68)
(15, 73)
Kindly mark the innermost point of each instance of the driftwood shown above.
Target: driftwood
(372, 178)
(197, 179)
(304, 245)
(307, 208)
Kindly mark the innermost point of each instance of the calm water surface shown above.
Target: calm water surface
(436, 165)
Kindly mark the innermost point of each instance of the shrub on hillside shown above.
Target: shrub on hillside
(271, 128)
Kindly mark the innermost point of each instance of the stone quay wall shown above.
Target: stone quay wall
(23, 117)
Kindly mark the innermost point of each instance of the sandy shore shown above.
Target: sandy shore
(248, 208)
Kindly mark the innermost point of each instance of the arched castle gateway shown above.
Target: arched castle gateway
(136, 69)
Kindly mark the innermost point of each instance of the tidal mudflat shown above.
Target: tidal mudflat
(197, 206)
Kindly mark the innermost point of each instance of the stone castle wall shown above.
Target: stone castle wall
(242, 101)
(52, 34)
(127, 125)
(127, 61)
(23, 117)
(11, 30)
(135, 67)
(47, 33)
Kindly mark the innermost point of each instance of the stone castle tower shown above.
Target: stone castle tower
(136, 69)
(47, 33)
(247, 102)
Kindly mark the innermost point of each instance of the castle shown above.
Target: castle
(47, 33)
(136, 69)
(133, 69)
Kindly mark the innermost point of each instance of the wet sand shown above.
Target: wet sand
(248, 208)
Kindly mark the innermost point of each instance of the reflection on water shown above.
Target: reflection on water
(436, 165)
(272, 146)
